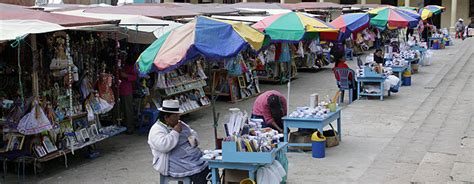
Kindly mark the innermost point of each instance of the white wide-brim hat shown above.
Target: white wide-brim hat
(170, 106)
(461, 20)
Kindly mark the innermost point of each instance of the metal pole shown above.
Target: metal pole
(215, 116)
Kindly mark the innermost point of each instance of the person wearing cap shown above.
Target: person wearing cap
(271, 107)
(174, 146)
(460, 28)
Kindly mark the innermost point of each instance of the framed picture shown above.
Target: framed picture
(85, 135)
(40, 150)
(71, 140)
(79, 137)
(50, 147)
(241, 82)
(93, 131)
(15, 142)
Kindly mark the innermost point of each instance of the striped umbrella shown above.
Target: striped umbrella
(350, 23)
(205, 36)
(393, 17)
(430, 10)
(294, 26)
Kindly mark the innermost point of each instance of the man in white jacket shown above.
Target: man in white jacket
(174, 146)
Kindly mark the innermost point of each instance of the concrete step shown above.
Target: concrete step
(438, 162)
(386, 161)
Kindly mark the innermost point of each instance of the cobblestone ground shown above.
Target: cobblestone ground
(424, 133)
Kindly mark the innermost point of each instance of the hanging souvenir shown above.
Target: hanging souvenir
(105, 88)
(35, 121)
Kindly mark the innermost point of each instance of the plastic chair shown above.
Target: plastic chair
(344, 83)
(147, 118)
(167, 179)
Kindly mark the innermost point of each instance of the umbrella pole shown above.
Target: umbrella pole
(289, 87)
(215, 115)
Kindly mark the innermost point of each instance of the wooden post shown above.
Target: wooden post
(34, 74)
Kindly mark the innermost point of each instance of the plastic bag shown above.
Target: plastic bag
(58, 64)
(90, 112)
(300, 51)
(427, 58)
(34, 122)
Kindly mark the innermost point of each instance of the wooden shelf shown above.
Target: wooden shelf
(242, 99)
(194, 110)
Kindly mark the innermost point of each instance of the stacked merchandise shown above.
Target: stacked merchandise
(236, 78)
(275, 62)
(312, 55)
(184, 84)
(60, 113)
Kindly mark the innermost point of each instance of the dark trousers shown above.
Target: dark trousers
(126, 106)
(200, 178)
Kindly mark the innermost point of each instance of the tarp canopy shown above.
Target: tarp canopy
(12, 29)
(133, 23)
(14, 12)
(167, 11)
(314, 5)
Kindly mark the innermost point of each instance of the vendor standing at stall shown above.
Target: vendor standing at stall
(271, 107)
(127, 76)
(174, 146)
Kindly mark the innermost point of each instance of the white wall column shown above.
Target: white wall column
(322, 1)
(407, 3)
(454, 8)
(281, 1)
(363, 1)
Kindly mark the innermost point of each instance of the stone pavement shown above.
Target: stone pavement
(424, 133)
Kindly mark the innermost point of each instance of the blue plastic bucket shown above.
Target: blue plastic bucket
(318, 145)
(406, 81)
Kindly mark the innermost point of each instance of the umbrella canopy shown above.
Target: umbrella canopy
(349, 23)
(405, 10)
(410, 8)
(430, 10)
(293, 26)
(392, 17)
(205, 36)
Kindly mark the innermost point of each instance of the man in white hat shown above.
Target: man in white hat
(174, 146)
(460, 28)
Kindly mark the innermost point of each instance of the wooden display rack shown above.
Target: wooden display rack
(235, 88)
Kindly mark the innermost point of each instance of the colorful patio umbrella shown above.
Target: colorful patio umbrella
(205, 36)
(392, 17)
(406, 10)
(350, 23)
(411, 8)
(293, 26)
(430, 10)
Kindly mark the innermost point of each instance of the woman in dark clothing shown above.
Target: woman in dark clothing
(378, 56)
(340, 62)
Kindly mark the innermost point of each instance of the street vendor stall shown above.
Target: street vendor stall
(249, 147)
(195, 39)
(47, 117)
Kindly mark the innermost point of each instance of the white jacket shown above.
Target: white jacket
(162, 139)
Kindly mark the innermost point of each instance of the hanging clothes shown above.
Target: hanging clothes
(285, 55)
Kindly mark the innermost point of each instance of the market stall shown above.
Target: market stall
(197, 39)
(62, 85)
(247, 146)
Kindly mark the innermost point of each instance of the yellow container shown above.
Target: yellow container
(332, 107)
(247, 181)
(407, 73)
(317, 136)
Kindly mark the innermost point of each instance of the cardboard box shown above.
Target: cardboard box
(298, 137)
(233, 176)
